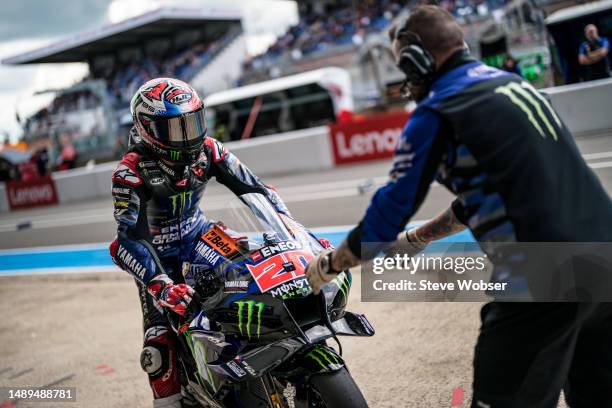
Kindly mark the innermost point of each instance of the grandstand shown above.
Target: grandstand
(353, 35)
(182, 43)
(328, 33)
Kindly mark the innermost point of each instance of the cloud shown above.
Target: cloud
(24, 19)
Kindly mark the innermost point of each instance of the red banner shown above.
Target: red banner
(33, 193)
(371, 138)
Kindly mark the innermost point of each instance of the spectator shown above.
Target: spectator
(511, 65)
(593, 54)
(42, 161)
(68, 155)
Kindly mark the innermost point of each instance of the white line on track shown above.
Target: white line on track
(601, 165)
(290, 194)
(595, 156)
(62, 270)
(97, 245)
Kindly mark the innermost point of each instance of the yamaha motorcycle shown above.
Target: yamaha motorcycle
(258, 336)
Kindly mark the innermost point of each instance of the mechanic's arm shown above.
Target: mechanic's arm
(599, 53)
(230, 172)
(448, 223)
(130, 251)
(414, 240)
(583, 55)
(415, 165)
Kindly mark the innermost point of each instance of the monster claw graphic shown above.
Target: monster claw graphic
(533, 105)
(183, 199)
(250, 310)
(344, 284)
(323, 357)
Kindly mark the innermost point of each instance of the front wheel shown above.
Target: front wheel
(336, 390)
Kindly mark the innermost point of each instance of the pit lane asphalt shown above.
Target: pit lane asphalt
(318, 199)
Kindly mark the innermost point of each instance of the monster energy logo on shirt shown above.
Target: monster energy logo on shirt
(534, 105)
(175, 155)
(180, 201)
(246, 310)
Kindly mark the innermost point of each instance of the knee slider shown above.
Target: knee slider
(155, 355)
(151, 360)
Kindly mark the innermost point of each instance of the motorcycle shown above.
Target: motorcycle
(258, 338)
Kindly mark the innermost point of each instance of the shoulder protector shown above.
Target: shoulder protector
(125, 172)
(218, 151)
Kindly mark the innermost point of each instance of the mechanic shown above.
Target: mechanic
(593, 54)
(499, 146)
(157, 188)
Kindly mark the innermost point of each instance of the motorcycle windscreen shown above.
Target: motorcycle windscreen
(279, 249)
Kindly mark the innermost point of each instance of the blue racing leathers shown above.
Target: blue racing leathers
(157, 210)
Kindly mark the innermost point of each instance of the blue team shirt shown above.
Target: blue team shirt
(603, 43)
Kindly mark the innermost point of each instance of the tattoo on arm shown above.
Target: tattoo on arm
(442, 226)
(343, 258)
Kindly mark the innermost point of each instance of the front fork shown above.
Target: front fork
(270, 386)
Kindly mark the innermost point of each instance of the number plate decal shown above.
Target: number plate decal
(271, 272)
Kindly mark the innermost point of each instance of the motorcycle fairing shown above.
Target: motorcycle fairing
(314, 359)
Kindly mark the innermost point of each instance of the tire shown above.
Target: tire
(337, 390)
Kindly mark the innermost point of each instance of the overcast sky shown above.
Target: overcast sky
(29, 24)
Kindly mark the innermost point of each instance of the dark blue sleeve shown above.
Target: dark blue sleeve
(131, 253)
(415, 165)
(582, 50)
(137, 257)
(605, 43)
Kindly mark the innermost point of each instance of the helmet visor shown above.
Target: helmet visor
(182, 131)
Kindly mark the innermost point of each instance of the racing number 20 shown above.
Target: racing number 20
(271, 272)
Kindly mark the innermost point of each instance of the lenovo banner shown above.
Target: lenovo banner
(32, 193)
(369, 138)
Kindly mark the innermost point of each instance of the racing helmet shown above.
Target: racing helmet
(169, 120)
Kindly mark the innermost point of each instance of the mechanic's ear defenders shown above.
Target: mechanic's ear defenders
(414, 60)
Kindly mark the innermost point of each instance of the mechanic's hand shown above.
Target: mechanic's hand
(169, 295)
(319, 271)
(408, 243)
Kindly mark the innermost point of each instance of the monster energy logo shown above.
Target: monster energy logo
(175, 155)
(180, 201)
(198, 351)
(324, 357)
(251, 308)
(533, 104)
(344, 284)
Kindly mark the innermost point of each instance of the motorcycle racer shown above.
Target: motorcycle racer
(157, 187)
